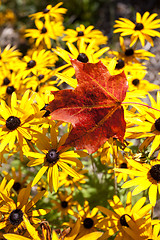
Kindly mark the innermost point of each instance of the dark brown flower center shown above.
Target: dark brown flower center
(123, 165)
(17, 186)
(88, 223)
(6, 81)
(46, 10)
(43, 30)
(123, 220)
(13, 122)
(120, 64)
(40, 77)
(129, 52)
(139, 26)
(157, 124)
(10, 90)
(69, 177)
(64, 204)
(16, 217)
(47, 113)
(82, 57)
(31, 64)
(155, 172)
(135, 82)
(52, 156)
(80, 34)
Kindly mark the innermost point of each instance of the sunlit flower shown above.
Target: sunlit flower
(45, 32)
(15, 121)
(19, 179)
(136, 81)
(40, 60)
(74, 183)
(64, 203)
(51, 12)
(142, 29)
(130, 54)
(117, 221)
(88, 219)
(87, 33)
(16, 214)
(9, 54)
(148, 176)
(52, 159)
(83, 52)
(148, 126)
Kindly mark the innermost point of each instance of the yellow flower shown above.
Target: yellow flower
(72, 182)
(148, 176)
(15, 121)
(148, 125)
(9, 54)
(10, 82)
(15, 214)
(52, 159)
(86, 33)
(88, 219)
(117, 221)
(32, 231)
(130, 54)
(136, 82)
(64, 203)
(143, 29)
(19, 179)
(45, 32)
(40, 60)
(44, 78)
(50, 13)
(84, 53)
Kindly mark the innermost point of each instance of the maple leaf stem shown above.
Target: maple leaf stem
(141, 104)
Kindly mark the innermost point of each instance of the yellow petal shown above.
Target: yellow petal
(153, 194)
(39, 175)
(10, 236)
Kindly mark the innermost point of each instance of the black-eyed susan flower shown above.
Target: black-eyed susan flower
(86, 33)
(136, 81)
(121, 163)
(19, 179)
(15, 121)
(36, 82)
(9, 54)
(130, 54)
(88, 219)
(74, 183)
(64, 203)
(10, 82)
(143, 29)
(31, 230)
(148, 125)
(45, 32)
(53, 159)
(51, 13)
(117, 65)
(40, 60)
(149, 229)
(115, 221)
(17, 213)
(148, 177)
(83, 52)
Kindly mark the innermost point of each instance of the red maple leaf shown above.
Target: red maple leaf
(93, 107)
